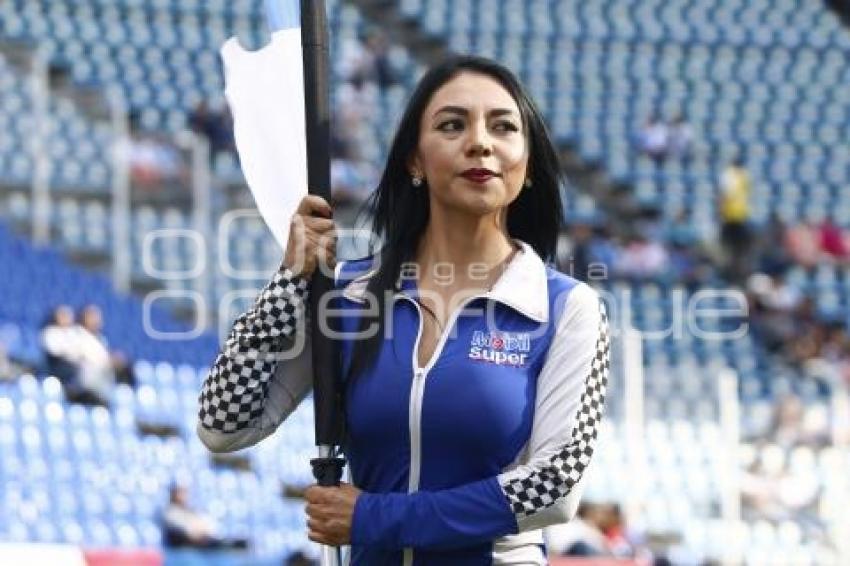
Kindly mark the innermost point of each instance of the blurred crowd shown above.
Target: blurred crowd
(364, 71)
(599, 532)
(789, 324)
(186, 527)
(779, 480)
(662, 140)
(590, 250)
(757, 258)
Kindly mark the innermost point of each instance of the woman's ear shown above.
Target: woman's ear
(414, 166)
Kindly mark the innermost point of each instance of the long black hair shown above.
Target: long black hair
(401, 211)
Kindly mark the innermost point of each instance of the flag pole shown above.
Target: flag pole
(327, 467)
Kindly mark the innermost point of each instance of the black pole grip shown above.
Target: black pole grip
(326, 366)
(327, 471)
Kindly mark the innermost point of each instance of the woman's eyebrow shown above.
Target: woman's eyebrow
(464, 112)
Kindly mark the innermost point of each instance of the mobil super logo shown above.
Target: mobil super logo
(500, 348)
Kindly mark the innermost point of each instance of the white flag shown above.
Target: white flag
(265, 91)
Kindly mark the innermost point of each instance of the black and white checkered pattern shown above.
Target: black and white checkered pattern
(234, 391)
(544, 487)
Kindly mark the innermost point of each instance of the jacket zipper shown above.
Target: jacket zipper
(416, 395)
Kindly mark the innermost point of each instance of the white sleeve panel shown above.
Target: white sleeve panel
(570, 397)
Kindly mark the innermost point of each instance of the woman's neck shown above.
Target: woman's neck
(460, 242)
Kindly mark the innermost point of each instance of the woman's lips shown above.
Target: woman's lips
(478, 176)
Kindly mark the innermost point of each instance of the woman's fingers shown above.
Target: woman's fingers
(318, 531)
(317, 512)
(312, 205)
(322, 534)
(312, 237)
(315, 533)
(330, 513)
(320, 538)
(318, 225)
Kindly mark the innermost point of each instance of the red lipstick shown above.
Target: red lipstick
(478, 175)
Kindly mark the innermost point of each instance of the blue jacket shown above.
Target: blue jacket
(462, 461)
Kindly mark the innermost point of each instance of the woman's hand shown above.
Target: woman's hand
(330, 511)
(312, 238)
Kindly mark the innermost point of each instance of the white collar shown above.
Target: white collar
(523, 286)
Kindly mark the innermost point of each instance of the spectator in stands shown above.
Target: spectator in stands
(365, 60)
(687, 266)
(781, 296)
(183, 527)
(788, 427)
(582, 536)
(111, 362)
(96, 373)
(354, 61)
(378, 47)
(772, 253)
(649, 221)
(681, 137)
(771, 489)
(154, 161)
(58, 338)
(836, 349)
(620, 541)
(356, 104)
(575, 255)
(8, 369)
(216, 127)
(642, 258)
(587, 252)
(775, 310)
(603, 248)
(352, 179)
(833, 242)
(681, 230)
(803, 244)
(654, 138)
(809, 334)
(735, 234)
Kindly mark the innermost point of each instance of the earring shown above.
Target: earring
(416, 181)
(527, 182)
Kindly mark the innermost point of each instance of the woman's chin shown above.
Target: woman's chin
(481, 206)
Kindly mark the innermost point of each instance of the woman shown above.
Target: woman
(474, 374)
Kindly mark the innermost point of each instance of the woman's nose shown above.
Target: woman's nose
(479, 141)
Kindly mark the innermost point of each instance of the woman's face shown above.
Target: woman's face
(472, 125)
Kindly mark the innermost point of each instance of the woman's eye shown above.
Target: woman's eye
(507, 127)
(457, 125)
(450, 126)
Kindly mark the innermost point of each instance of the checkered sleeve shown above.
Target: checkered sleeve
(236, 390)
(571, 389)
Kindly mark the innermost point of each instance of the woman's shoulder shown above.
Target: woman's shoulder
(560, 282)
(567, 292)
